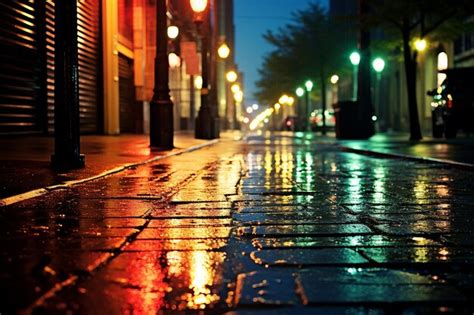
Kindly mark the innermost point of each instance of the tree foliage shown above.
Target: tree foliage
(406, 20)
(314, 46)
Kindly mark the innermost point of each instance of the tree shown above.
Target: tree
(416, 19)
(313, 47)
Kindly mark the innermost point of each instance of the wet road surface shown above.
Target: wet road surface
(269, 225)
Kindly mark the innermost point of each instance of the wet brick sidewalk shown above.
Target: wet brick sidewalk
(268, 226)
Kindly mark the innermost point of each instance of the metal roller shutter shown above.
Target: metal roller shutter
(89, 63)
(90, 73)
(18, 68)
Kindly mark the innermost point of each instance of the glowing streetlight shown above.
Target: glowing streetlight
(420, 44)
(249, 110)
(198, 6)
(231, 76)
(255, 106)
(223, 51)
(291, 101)
(239, 96)
(283, 99)
(235, 88)
(334, 79)
(299, 92)
(355, 58)
(173, 32)
(206, 126)
(309, 86)
(174, 60)
(198, 82)
(378, 64)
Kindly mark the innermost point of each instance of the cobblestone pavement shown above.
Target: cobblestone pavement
(273, 225)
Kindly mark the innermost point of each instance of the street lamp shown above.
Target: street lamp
(174, 60)
(173, 32)
(161, 106)
(231, 76)
(420, 44)
(235, 88)
(198, 6)
(334, 89)
(239, 97)
(309, 87)
(206, 125)
(283, 99)
(378, 64)
(291, 101)
(355, 60)
(299, 92)
(223, 51)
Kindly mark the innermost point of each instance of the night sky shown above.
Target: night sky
(252, 19)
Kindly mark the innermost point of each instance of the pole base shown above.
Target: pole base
(161, 125)
(68, 163)
(205, 125)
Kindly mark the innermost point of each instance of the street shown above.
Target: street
(269, 224)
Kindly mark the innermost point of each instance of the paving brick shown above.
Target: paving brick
(265, 288)
(341, 241)
(420, 255)
(308, 257)
(306, 230)
(352, 285)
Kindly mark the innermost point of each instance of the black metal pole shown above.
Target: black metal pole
(323, 102)
(66, 89)
(306, 112)
(363, 92)
(161, 106)
(205, 120)
(192, 103)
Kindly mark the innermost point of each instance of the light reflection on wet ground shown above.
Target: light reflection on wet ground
(306, 208)
(277, 222)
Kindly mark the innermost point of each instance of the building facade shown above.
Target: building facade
(117, 47)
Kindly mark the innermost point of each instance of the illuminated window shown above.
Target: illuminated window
(442, 65)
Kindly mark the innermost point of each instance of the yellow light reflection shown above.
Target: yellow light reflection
(201, 279)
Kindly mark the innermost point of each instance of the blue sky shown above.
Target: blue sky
(252, 19)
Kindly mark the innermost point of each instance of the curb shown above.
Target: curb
(450, 163)
(68, 184)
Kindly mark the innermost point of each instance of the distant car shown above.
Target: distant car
(316, 120)
(452, 108)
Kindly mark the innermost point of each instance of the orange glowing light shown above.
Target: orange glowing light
(198, 6)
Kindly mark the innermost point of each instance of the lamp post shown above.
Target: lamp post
(66, 89)
(205, 123)
(378, 64)
(335, 88)
(309, 87)
(223, 51)
(355, 60)
(161, 106)
(300, 92)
